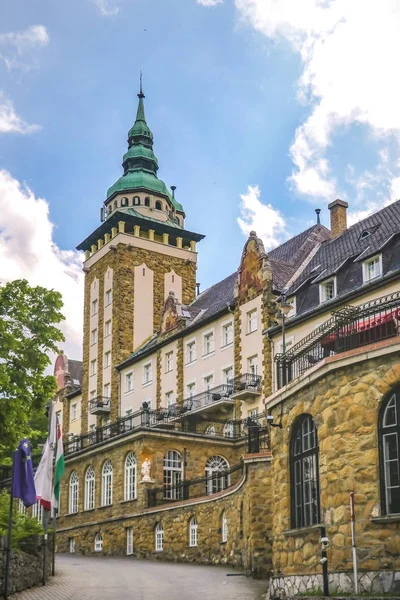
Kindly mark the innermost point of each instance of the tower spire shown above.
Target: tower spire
(140, 94)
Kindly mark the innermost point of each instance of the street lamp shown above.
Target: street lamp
(285, 308)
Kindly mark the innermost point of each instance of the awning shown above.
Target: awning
(364, 325)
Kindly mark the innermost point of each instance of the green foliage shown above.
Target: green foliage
(23, 526)
(28, 334)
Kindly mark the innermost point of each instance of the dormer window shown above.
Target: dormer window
(158, 205)
(147, 201)
(124, 202)
(136, 201)
(372, 268)
(327, 290)
(365, 234)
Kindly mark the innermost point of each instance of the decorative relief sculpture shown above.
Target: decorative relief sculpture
(145, 471)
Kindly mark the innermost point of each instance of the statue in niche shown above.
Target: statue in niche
(145, 471)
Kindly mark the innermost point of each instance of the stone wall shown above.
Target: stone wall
(343, 397)
(26, 570)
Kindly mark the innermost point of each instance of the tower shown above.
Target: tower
(140, 252)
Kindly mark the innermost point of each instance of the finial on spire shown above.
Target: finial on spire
(140, 94)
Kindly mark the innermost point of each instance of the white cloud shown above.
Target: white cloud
(209, 2)
(349, 51)
(107, 8)
(262, 218)
(27, 250)
(10, 122)
(16, 48)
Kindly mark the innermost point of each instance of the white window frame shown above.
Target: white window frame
(129, 541)
(172, 474)
(73, 493)
(98, 542)
(93, 367)
(193, 533)
(107, 359)
(224, 528)
(208, 343)
(253, 413)
(322, 290)
(106, 484)
(377, 259)
(73, 411)
(159, 537)
(250, 364)
(129, 382)
(147, 380)
(224, 379)
(214, 465)
(191, 352)
(169, 361)
(191, 389)
(95, 307)
(206, 377)
(169, 398)
(108, 297)
(227, 337)
(107, 328)
(90, 486)
(107, 390)
(252, 320)
(93, 336)
(130, 479)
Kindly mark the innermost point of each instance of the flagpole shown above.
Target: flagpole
(46, 511)
(53, 567)
(9, 534)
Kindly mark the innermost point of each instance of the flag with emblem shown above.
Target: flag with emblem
(23, 484)
(44, 473)
(59, 472)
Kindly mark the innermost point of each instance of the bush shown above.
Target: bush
(23, 526)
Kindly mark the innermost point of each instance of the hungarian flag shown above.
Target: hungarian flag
(59, 472)
(44, 472)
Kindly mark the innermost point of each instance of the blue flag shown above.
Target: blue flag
(23, 484)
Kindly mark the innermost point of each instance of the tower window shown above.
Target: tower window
(109, 209)
(158, 205)
(115, 205)
(124, 202)
(136, 201)
(147, 201)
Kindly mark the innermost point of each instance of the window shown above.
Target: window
(124, 201)
(108, 297)
(252, 365)
(107, 390)
(73, 492)
(93, 367)
(89, 489)
(292, 312)
(106, 484)
(372, 268)
(211, 430)
(208, 343)
(252, 321)
(136, 201)
(190, 352)
(158, 205)
(71, 545)
(130, 477)
(216, 472)
(147, 374)
(227, 334)
(169, 361)
(73, 411)
(169, 398)
(253, 413)
(193, 532)
(95, 305)
(159, 535)
(224, 528)
(208, 383)
(389, 450)
(129, 382)
(304, 473)
(98, 543)
(37, 511)
(229, 430)
(93, 337)
(288, 344)
(227, 375)
(191, 389)
(172, 475)
(107, 328)
(147, 201)
(327, 290)
(107, 359)
(129, 541)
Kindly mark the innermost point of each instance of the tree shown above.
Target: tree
(28, 334)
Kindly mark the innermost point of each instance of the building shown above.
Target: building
(202, 430)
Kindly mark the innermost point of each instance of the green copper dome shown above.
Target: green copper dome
(140, 163)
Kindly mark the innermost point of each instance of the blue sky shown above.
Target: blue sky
(239, 94)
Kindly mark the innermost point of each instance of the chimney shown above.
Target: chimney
(338, 210)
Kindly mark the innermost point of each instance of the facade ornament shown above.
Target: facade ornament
(145, 471)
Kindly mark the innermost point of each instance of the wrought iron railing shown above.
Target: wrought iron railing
(196, 488)
(246, 382)
(100, 403)
(208, 397)
(349, 327)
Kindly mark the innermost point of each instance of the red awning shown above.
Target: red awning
(364, 325)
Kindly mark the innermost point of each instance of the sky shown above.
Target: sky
(261, 110)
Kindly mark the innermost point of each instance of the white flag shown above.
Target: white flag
(44, 472)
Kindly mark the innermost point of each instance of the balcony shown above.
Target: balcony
(210, 400)
(246, 387)
(100, 406)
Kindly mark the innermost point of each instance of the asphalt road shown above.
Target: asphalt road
(102, 578)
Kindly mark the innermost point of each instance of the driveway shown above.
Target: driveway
(101, 578)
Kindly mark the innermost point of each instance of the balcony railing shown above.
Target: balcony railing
(100, 405)
(246, 386)
(209, 397)
(349, 327)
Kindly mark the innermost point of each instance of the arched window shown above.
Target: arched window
(304, 473)
(73, 492)
(216, 472)
(193, 532)
(130, 477)
(115, 205)
(89, 489)
(224, 528)
(109, 209)
(158, 205)
(124, 202)
(147, 201)
(98, 542)
(389, 451)
(136, 201)
(106, 484)
(159, 537)
(210, 430)
(172, 475)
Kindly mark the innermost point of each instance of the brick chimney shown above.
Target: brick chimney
(338, 210)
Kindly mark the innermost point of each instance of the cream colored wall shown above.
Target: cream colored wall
(168, 380)
(212, 364)
(75, 427)
(173, 283)
(141, 393)
(108, 284)
(143, 305)
(252, 345)
(93, 348)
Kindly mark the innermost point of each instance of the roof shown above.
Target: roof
(75, 371)
(333, 253)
